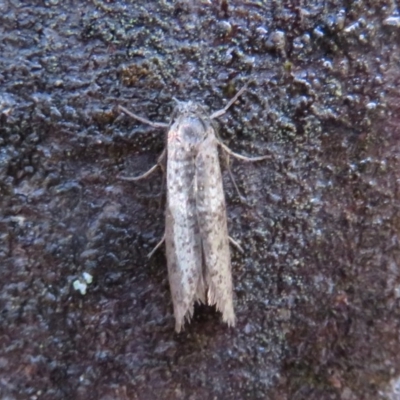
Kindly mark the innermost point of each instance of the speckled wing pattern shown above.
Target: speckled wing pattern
(196, 233)
(182, 232)
(211, 213)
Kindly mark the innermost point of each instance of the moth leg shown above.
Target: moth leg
(144, 120)
(217, 114)
(157, 246)
(239, 156)
(160, 163)
(232, 178)
(138, 178)
(236, 244)
(162, 159)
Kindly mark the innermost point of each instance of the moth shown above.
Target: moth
(196, 232)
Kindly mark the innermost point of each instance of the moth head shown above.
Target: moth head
(188, 108)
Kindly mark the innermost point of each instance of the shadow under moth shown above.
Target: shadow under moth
(196, 232)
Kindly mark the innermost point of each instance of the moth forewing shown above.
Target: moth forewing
(211, 212)
(182, 233)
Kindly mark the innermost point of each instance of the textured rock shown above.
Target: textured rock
(317, 290)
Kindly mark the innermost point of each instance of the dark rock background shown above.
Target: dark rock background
(317, 290)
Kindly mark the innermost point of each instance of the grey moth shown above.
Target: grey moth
(196, 233)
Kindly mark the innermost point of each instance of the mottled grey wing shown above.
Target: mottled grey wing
(182, 235)
(211, 212)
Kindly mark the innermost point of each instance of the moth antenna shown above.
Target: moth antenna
(143, 120)
(217, 114)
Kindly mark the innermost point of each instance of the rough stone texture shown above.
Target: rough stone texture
(318, 288)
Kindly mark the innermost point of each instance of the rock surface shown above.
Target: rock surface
(318, 288)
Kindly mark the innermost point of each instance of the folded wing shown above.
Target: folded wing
(211, 210)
